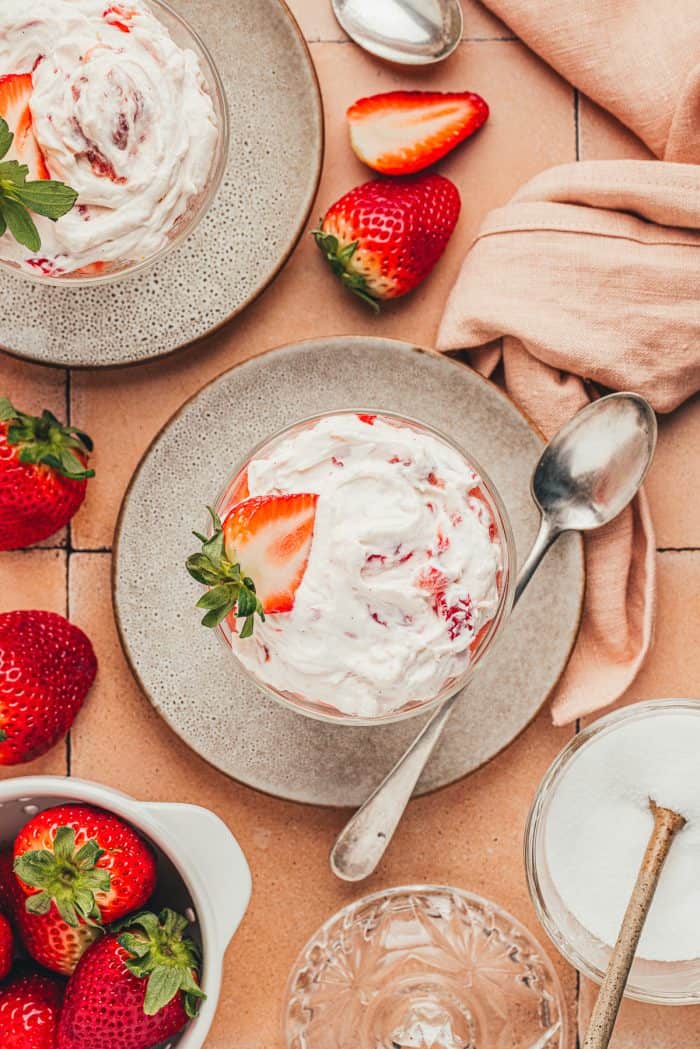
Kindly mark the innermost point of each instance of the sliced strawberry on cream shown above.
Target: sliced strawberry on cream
(15, 95)
(270, 537)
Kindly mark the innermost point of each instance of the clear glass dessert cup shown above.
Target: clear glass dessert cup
(185, 37)
(324, 710)
(662, 983)
(423, 967)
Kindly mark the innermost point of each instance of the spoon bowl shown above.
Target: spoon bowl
(595, 465)
(411, 32)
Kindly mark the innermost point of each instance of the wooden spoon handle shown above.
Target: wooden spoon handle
(666, 824)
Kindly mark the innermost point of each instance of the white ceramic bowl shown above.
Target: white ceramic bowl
(201, 868)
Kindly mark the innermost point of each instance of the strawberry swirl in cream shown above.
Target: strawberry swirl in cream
(404, 569)
(120, 113)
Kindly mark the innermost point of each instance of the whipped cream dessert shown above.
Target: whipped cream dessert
(121, 114)
(404, 569)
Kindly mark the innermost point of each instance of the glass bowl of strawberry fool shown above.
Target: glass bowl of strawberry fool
(359, 566)
(114, 137)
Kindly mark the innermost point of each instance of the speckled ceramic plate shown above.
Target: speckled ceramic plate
(193, 680)
(242, 242)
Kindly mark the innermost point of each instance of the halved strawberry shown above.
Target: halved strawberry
(270, 537)
(15, 94)
(401, 132)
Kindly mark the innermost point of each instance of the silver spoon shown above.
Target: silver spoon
(412, 32)
(586, 475)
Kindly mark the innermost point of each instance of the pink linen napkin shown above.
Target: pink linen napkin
(592, 273)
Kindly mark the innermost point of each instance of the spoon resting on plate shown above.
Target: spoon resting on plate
(412, 32)
(587, 474)
(667, 823)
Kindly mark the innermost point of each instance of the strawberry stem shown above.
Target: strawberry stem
(43, 439)
(159, 954)
(228, 589)
(67, 877)
(340, 259)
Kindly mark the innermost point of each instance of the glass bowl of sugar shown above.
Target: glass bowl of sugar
(585, 838)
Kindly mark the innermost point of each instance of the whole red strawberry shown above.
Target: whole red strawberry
(43, 475)
(132, 989)
(384, 237)
(77, 866)
(30, 1007)
(47, 666)
(60, 945)
(6, 947)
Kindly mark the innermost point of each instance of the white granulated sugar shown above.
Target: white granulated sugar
(599, 823)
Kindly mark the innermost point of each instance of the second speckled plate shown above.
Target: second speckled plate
(192, 679)
(251, 228)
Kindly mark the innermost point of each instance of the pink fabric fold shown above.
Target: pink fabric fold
(591, 274)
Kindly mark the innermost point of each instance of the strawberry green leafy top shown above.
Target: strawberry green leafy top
(19, 197)
(43, 439)
(159, 954)
(229, 588)
(67, 877)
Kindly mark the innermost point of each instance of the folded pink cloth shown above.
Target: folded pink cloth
(592, 273)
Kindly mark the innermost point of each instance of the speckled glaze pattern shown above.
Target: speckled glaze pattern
(189, 675)
(255, 220)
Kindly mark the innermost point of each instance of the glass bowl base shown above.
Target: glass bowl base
(424, 968)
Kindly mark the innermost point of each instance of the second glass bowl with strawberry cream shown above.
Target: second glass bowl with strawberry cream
(123, 103)
(386, 556)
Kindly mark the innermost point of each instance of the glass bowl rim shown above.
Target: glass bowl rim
(496, 625)
(205, 199)
(534, 829)
(426, 888)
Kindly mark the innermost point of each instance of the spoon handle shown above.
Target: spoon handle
(363, 841)
(546, 535)
(600, 1028)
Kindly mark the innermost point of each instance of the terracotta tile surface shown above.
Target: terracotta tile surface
(646, 1026)
(469, 834)
(531, 128)
(34, 579)
(475, 841)
(602, 137)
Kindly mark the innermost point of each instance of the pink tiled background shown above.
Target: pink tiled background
(469, 834)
